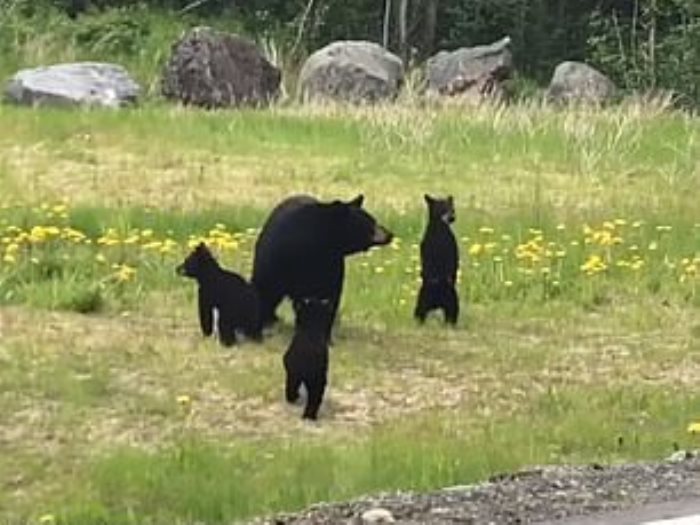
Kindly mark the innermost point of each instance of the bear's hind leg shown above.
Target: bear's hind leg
(227, 330)
(315, 388)
(291, 390)
(422, 304)
(451, 305)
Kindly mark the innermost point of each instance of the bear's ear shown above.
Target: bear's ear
(357, 201)
(450, 199)
(428, 199)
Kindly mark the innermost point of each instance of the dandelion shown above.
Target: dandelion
(100, 258)
(379, 269)
(9, 259)
(653, 245)
(476, 249)
(183, 400)
(507, 284)
(47, 519)
(594, 264)
(694, 428)
(561, 227)
(124, 272)
(486, 230)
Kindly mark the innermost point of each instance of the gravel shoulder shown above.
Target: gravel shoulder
(537, 495)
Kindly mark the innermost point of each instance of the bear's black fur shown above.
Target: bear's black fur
(306, 359)
(301, 249)
(224, 292)
(439, 262)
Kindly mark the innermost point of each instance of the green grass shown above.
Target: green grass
(557, 356)
(196, 481)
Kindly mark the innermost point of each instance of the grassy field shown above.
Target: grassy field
(579, 341)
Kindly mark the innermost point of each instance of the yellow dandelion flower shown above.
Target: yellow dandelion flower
(487, 230)
(153, 245)
(653, 245)
(47, 519)
(378, 269)
(100, 258)
(124, 272)
(637, 265)
(594, 264)
(9, 258)
(476, 249)
(694, 428)
(183, 400)
(507, 284)
(561, 227)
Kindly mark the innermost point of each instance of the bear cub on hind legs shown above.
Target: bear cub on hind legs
(439, 262)
(224, 293)
(306, 359)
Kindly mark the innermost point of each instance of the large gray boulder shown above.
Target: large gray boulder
(213, 69)
(578, 82)
(351, 71)
(475, 71)
(75, 84)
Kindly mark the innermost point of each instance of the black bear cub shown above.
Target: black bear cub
(439, 262)
(306, 359)
(224, 295)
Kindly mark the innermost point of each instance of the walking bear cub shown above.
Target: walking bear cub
(306, 359)
(223, 296)
(439, 262)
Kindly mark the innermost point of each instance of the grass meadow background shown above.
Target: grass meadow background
(579, 338)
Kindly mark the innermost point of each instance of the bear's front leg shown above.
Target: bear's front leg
(206, 314)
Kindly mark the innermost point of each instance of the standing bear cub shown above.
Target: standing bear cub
(223, 296)
(439, 262)
(306, 359)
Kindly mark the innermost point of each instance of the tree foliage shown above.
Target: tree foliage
(641, 44)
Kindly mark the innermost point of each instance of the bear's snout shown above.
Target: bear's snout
(381, 235)
(180, 269)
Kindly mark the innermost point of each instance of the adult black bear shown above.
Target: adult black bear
(223, 294)
(439, 262)
(306, 359)
(302, 247)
